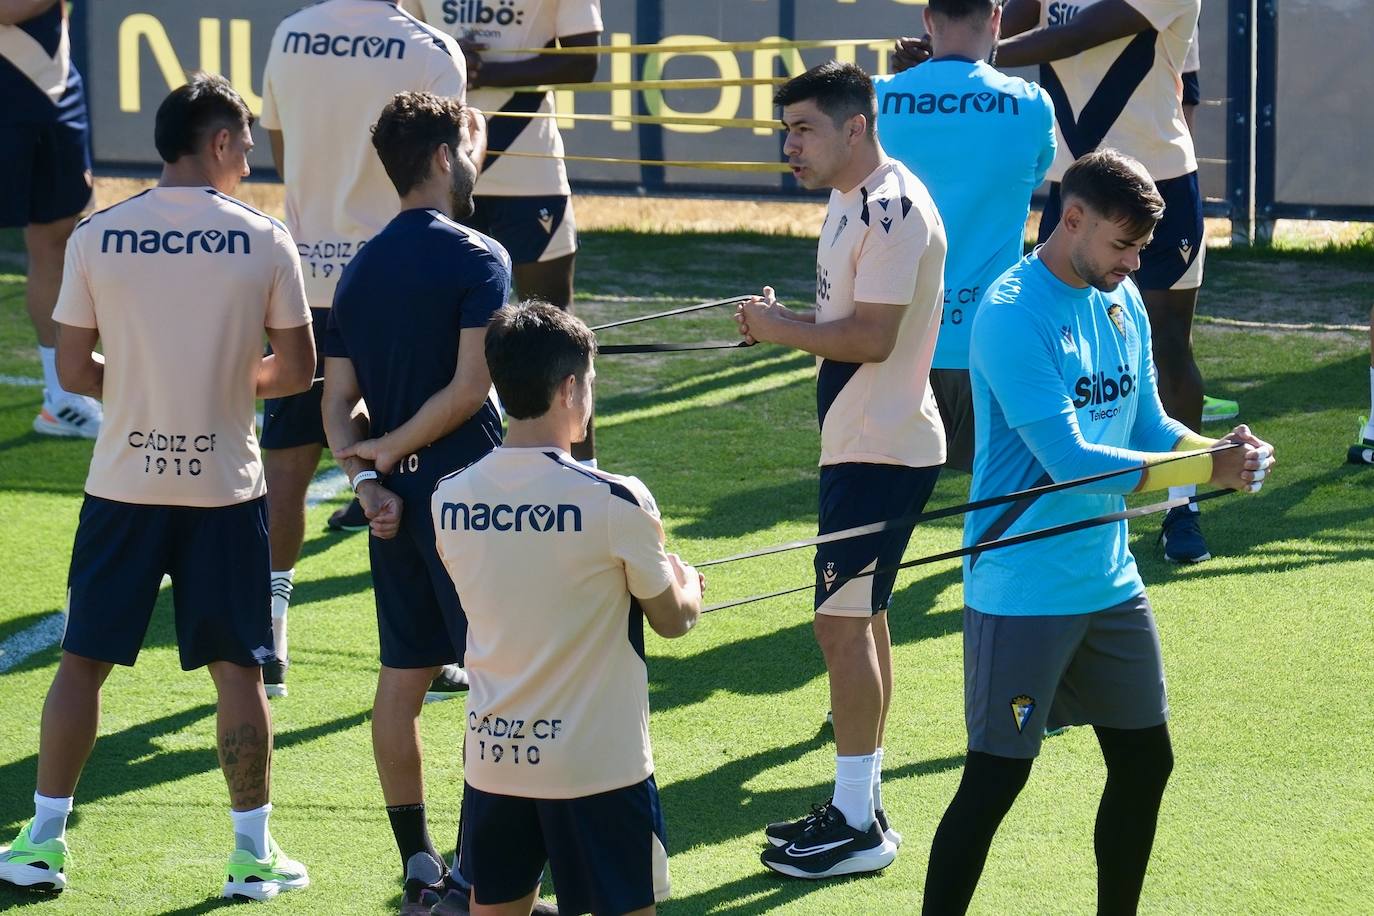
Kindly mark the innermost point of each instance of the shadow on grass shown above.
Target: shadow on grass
(131, 759)
(787, 658)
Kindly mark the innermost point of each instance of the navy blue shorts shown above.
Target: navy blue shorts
(297, 419)
(47, 169)
(860, 494)
(608, 851)
(219, 561)
(530, 228)
(1174, 257)
(1192, 89)
(420, 622)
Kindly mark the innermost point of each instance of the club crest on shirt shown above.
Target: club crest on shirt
(829, 576)
(546, 220)
(1118, 316)
(844, 221)
(1021, 708)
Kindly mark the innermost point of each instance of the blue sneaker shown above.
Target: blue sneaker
(1182, 537)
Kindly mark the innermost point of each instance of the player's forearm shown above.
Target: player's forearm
(537, 71)
(1019, 16)
(13, 12)
(279, 379)
(848, 340)
(1096, 25)
(344, 428)
(86, 377)
(445, 411)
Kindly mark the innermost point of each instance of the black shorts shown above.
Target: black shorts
(530, 228)
(1174, 257)
(297, 419)
(1192, 89)
(219, 561)
(420, 622)
(954, 397)
(859, 494)
(47, 170)
(608, 851)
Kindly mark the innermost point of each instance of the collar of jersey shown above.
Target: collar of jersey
(951, 58)
(868, 182)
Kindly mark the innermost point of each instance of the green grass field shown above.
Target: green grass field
(1268, 647)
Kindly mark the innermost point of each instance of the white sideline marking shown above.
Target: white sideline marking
(326, 485)
(21, 381)
(28, 642)
(49, 630)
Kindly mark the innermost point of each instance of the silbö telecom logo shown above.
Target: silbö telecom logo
(1101, 389)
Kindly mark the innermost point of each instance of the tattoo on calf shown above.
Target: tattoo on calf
(244, 755)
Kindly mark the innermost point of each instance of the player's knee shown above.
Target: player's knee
(82, 672)
(1144, 756)
(46, 244)
(991, 783)
(839, 636)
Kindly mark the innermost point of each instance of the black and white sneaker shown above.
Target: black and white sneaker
(780, 833)
(450, 682)
(274, 678)
(830, 847)
(350, 518)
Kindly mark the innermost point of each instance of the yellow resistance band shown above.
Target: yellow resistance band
(774, 45)
(649, 84)
(1184, 471)
(674, 163)
(642, 119)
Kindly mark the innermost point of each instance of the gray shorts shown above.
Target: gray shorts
(954, 397)
(1024, 674)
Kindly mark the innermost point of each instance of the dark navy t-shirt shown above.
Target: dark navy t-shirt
(398, 311)
(38, 81)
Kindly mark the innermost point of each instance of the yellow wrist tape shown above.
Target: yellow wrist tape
(1180, 472)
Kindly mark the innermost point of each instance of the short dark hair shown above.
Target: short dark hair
(531, 348)
(193, 113)
(1116, 186)
(964, 9)
(840, 90)
(411, 127)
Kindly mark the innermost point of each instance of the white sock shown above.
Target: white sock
(587, 462)
(49, 817)
(48, 357)
(1184, 493)
(250, 830)
(878, 779)
(1369, 423)
(281, 599)
(854, 789)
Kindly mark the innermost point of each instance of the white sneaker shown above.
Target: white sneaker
(73, 417)
(449, 683)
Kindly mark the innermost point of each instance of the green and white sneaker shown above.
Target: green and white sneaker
(1362, 452)
(1214, 409)
(262, 879)
(40, 866)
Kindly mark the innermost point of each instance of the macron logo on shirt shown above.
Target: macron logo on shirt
(504, 517)
(150, 241)
(950, 103)
(324, 44)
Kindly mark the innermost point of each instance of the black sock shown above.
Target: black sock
(411, 831)
(1138, 765)
(989, 786)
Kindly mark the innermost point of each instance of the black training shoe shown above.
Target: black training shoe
(450, 682)
(893, 836)
(781, 833)
(1181, 535)
(274, 677)
(350, 518)
(830, 847)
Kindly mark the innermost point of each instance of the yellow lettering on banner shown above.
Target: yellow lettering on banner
(564, 103)
(241, 62)
(792, 65)
(622, 101)
(209, 46)
(133, 28)
(884, 52)
(728, 104)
